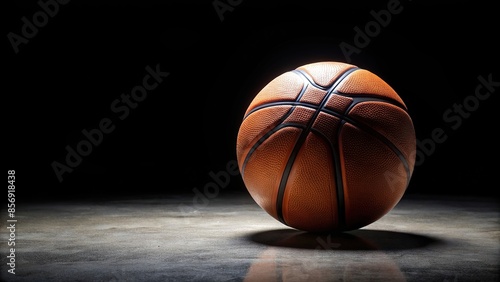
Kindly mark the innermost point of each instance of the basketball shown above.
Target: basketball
(326, 147)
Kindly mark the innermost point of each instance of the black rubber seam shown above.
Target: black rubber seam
(301, 139)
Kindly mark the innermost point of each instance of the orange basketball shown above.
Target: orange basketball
(326, 147)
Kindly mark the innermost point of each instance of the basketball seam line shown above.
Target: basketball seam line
(301, 139)
(345, 118)
(372, 98)
(367, 129)
(320, 108)
(356, 100)
(349, 95)
(265, 136)
(311, 80)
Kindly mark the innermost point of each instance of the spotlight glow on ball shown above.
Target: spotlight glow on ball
(326, 147)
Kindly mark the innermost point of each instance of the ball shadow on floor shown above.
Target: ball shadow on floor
(361, 239)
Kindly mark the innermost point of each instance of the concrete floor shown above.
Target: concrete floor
(231, 239)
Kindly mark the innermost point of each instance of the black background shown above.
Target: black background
(66, 77)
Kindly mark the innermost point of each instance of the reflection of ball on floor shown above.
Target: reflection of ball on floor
(326, 147)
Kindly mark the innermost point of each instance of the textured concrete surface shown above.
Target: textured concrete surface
(229, 238)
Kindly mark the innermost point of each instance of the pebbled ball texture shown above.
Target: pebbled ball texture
(326, 147)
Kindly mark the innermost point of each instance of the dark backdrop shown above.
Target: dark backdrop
(66, 63)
